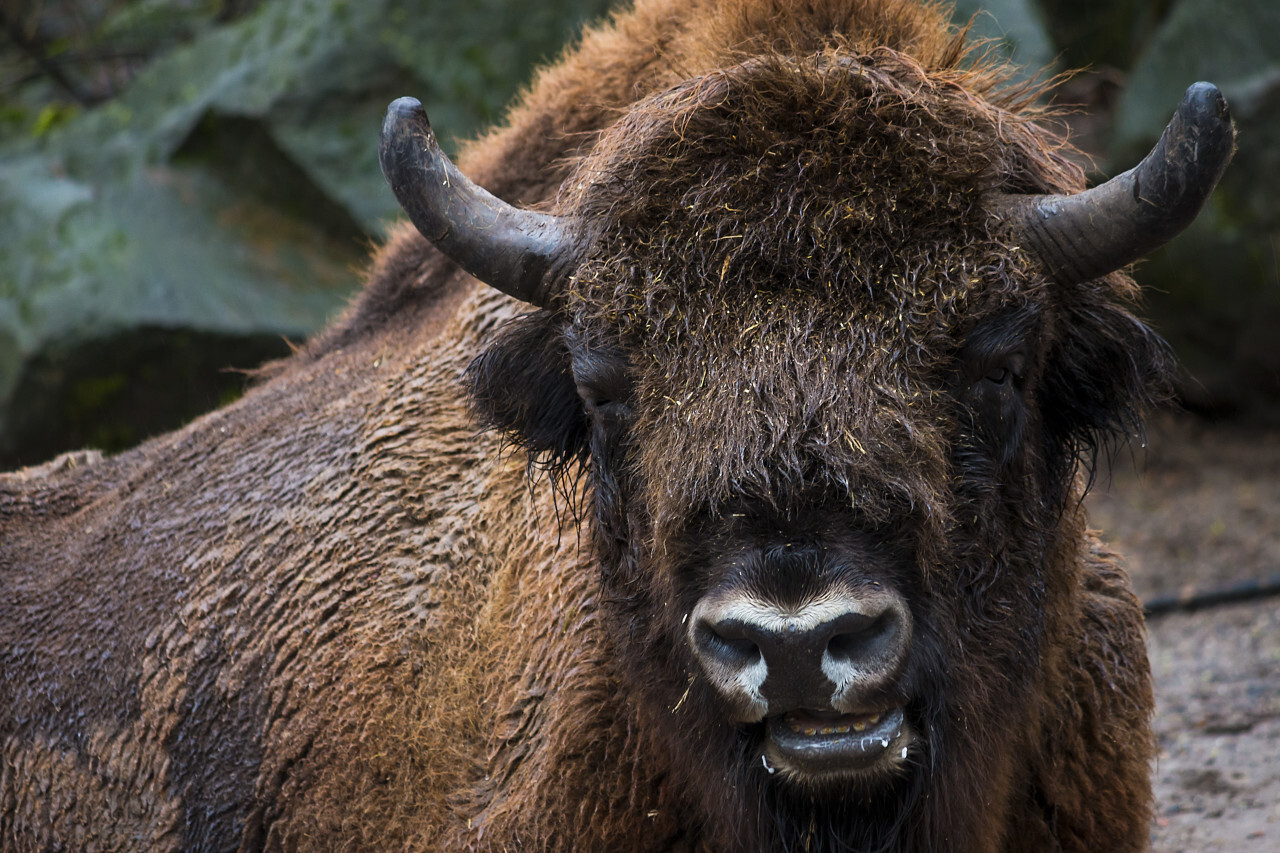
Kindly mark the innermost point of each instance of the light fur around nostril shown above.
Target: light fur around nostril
(733, 663)
(866, 659)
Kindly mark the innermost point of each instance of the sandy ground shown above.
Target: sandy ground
(1201, 506)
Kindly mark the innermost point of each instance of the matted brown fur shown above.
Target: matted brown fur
(336, 616)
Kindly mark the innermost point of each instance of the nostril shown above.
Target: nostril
(859, 638)
(727, 642)
(870, 647)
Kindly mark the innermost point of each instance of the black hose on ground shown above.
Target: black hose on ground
(1196, 598)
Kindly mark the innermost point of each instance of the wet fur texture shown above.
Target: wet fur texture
(336, 615)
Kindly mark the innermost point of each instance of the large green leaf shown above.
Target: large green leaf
(230, 191)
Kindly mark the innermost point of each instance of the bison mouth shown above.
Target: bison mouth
(821, 745)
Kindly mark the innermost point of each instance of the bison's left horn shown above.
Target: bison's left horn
(1089, 234)
(523, 253)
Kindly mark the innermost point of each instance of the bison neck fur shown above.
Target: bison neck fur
(427, 585)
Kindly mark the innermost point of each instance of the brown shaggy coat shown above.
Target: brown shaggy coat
(335, 616)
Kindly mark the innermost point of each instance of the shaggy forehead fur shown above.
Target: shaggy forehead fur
(790, 252)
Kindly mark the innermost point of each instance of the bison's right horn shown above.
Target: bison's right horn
(523, 253)
(1089, 234)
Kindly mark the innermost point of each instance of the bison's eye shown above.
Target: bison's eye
(602, 378)
(998, 369)
(603, 392)
(992, 395)
(599, 404)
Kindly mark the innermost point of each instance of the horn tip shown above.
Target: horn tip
(1206, 125)
(1205, 101)
(405, 114)
(405, 106)
(406, 136)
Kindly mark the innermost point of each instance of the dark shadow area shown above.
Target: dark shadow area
(241, 153)
(112, 393)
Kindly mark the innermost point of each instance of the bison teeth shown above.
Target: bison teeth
(814, 728)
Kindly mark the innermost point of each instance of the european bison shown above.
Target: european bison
(774, 540)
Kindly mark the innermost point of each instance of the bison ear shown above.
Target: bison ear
(522, 386)
(1106, 369)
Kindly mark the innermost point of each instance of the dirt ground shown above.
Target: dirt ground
(1201, 506)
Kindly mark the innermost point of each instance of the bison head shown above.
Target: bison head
(827, 339)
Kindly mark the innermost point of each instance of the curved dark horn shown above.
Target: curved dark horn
(1089, 234)
(523, 253)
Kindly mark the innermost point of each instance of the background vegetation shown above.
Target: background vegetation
(184, 184)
